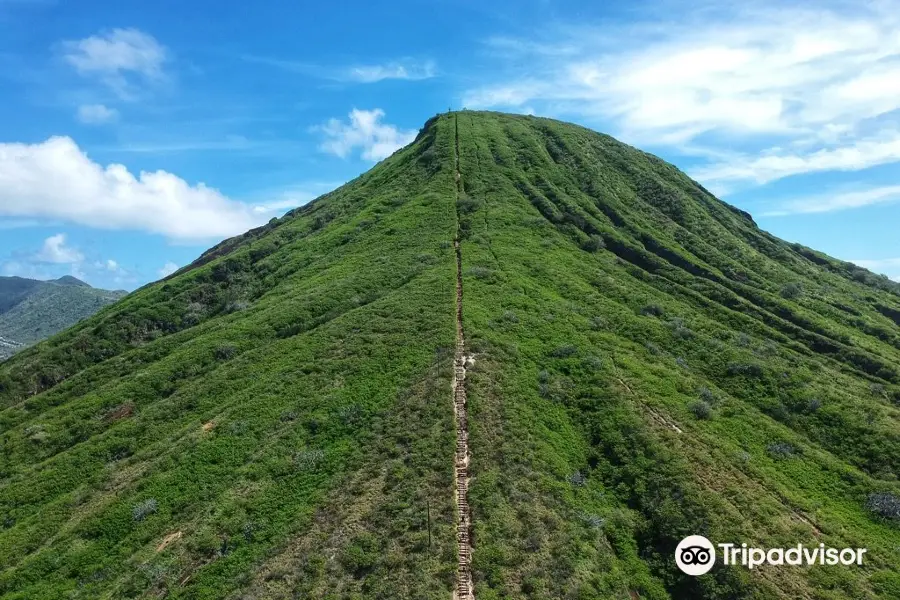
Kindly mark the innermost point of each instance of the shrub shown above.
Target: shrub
(746, 369)
(225, 352)
(814, 405)
(236, 306)
(743, 340)
(791, 291)
(361, 554)
(37, 434)
(652, 310)
(593, 521)
(565, 351)
(308, 460)
(701, 409)
(707, 396)
(884, 504)
(467, 204)
(653, 348)
(510, 317)
(577, 479)
(594, 243)
(142, 510)
(679, 330)
(593, 363)
(350, 414)
(480, 272)
(780, 450)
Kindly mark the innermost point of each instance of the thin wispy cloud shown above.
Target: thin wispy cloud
(796, 89)
(409, 70)
(885, 266)
(96, 114)
(119, 58)
(288, 197)
(167, 269)
(406, 69)
(365, 132)
(838, 201)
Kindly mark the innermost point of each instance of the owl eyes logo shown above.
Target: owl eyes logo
(695, 555)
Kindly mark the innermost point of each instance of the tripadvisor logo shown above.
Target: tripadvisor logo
(696, 555)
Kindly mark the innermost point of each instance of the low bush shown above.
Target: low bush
(142, 510)
(652, 310)
(791, 291)
(781, 450)
(702, 410)
(884, 504)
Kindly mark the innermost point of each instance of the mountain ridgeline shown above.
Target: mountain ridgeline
(642, 363)
(32, 310)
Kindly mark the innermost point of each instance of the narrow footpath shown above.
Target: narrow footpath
(465, 590)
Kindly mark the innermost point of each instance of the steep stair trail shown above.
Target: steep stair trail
(465, 589)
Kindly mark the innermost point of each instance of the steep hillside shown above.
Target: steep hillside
(32, 310)
(516, 337)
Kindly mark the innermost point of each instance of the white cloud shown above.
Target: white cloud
(96, 114)
(838, 201)
(115, 55)
(365, 131)
(798, 89)
(776, 163)
(112, 265)
(167, 269)
(394, 70)
(55, 251)
(878, 264)
(886, 266)
(56, 180)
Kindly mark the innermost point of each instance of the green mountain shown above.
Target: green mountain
(516, 355)
(32, 310)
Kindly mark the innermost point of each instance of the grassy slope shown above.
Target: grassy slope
(285, 402)
(572, 377)
(249, 398)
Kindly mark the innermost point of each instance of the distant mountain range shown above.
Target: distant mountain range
(32, 310)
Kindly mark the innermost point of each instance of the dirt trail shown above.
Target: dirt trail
(465, 589)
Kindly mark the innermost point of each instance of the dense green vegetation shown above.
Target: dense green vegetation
(275, 420)
(32, 310)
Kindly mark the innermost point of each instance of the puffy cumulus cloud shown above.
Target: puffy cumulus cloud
(798, 88)
(167, 269)
(365, 131)
(96, 114)
(113, 56)
(56, 251)
(56, 180)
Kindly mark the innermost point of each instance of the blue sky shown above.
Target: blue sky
(135, 135)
